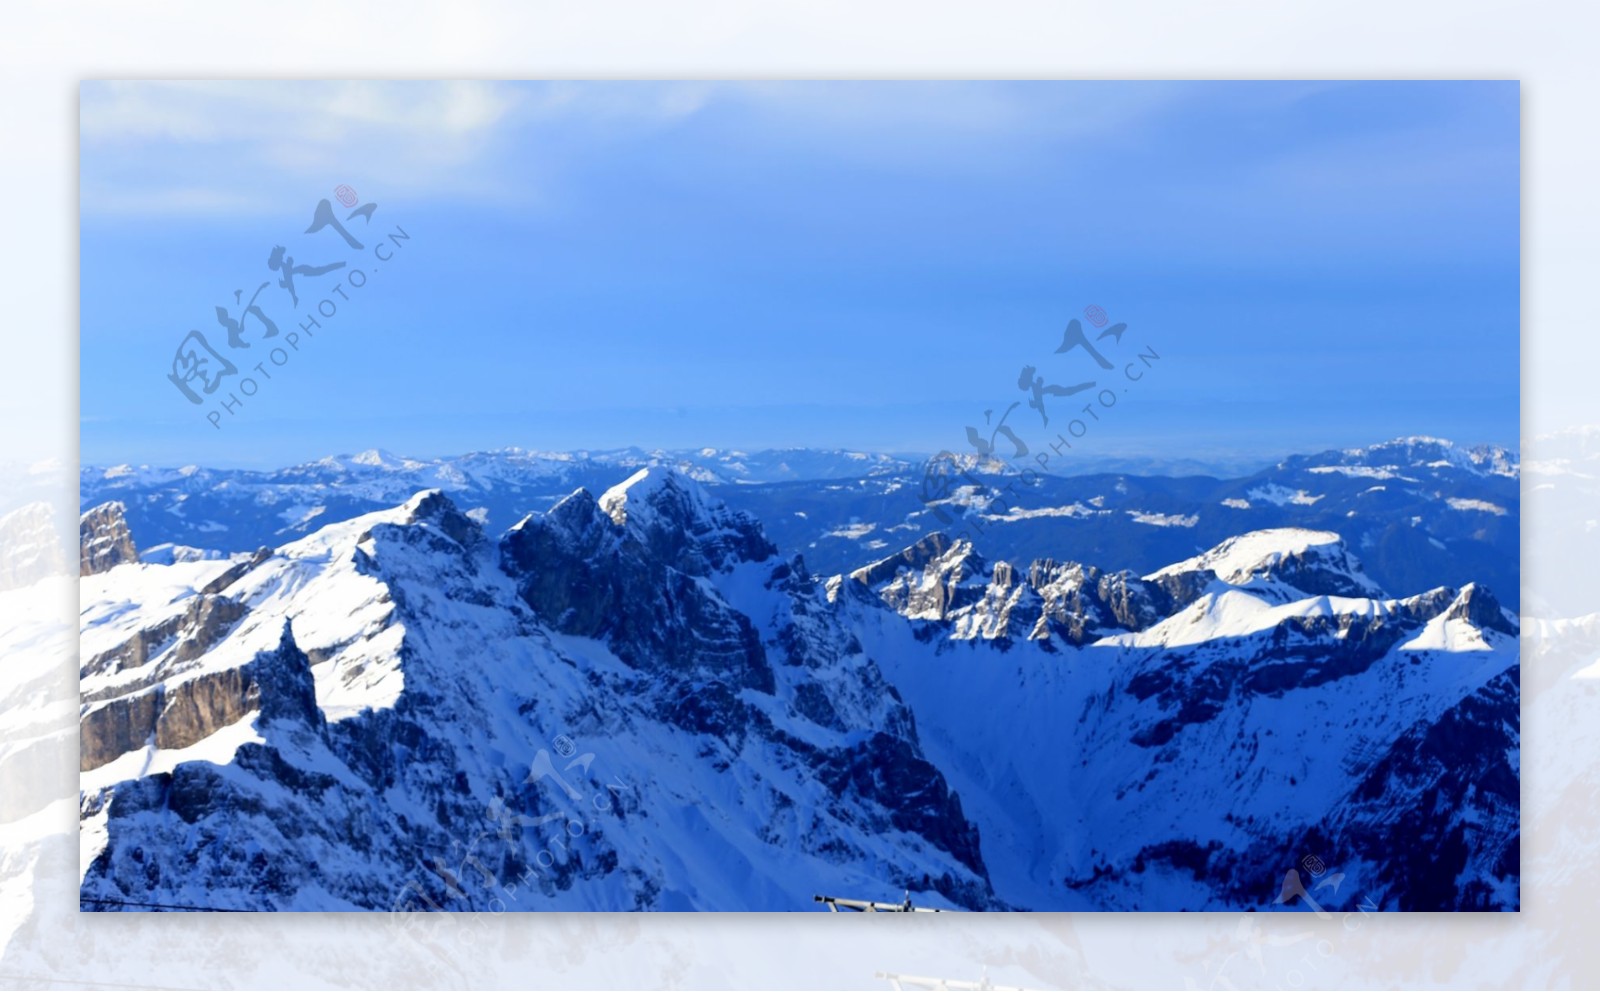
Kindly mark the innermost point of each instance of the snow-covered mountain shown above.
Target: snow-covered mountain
(625, 703)
(1162, 741)
(636, 702)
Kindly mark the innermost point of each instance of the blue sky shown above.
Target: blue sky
(865, 265)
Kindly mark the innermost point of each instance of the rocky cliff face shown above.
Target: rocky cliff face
(104, 540)
(633, 567)
(948, 582)
(180, 712)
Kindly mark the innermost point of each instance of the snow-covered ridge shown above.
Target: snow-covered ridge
(1207, 716)
(1259, 554)
(674, 515)
(1248, 584)
(640, 498)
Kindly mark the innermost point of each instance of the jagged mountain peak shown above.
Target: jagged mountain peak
(433, 507)
(641, 495)
(946, 580)
(656, 491)
(1481, 607)
(938, 579)
(575, 524)
(678, 521)
(593, 568)
(933, 579)
(662, 517)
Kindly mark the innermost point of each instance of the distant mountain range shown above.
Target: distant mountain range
(315, 689)
(1421, 512)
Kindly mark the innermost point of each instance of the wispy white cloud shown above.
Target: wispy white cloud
(198, 147)
(205, 147)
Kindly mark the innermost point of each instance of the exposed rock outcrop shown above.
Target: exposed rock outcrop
(276, 683)
(104, 540)
(940, 580)
(629, 568)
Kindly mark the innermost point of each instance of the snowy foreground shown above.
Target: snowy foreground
(634, 702)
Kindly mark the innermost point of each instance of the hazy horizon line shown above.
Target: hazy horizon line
(1228, 460)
